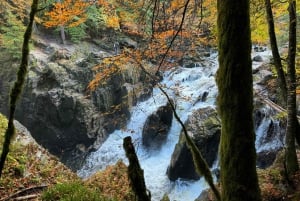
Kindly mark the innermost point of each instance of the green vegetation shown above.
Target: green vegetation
(75, 191)
(12, 37)
(26, 167)
(29, 165)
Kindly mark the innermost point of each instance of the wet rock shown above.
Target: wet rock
(266, 158)
(259, 49)
(157, 127)
(204, 127)
(257, 58)
(128, 43)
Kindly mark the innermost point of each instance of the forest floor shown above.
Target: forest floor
(274, 184)
(29, 170)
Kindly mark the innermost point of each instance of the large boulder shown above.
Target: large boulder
(157, 126)
(59, 111)
(204, 127)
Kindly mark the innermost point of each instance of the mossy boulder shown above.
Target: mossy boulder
(204, 127)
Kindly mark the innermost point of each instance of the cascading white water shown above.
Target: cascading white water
(184, 86)
(263, 141)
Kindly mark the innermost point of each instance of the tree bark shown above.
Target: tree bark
(62, 34)
(135, 173)
(18, 86)
(275, 53)
(235, 103)
(292, 121)
(277, 62)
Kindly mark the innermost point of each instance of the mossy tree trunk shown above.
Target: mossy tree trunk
(291, 157)
(18, 87)
(135, 173)
(235, 103)
(275, 52)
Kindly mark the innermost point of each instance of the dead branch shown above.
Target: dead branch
(27, 197)
(275, 106)
(25, 192)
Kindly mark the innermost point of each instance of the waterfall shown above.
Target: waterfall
(191, 89)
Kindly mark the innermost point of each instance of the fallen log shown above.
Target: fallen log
(275, 106)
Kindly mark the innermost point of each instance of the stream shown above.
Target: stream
(184, 86)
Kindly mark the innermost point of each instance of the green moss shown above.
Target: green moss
(76, 191)
(165, 198)
(3, 126)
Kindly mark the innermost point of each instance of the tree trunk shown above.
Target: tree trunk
(18, 87)
(277, 61)
(135, 173)
(275, 53)
(62, 34)
(291, 157)
(235, 103)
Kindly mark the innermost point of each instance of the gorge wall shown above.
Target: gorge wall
(55, 105)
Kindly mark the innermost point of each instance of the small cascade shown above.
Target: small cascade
(269, 133)
(190, 89)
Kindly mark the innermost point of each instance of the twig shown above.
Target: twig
(24, 192)
(175, 36)
(26, 197)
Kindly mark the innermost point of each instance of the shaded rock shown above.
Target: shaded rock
(128, 43)
(157, 127)
(62, 53)
(57, 109)
(266, 158)
(204, 127)
(189, 61)
(259, 49)
(202, 97)
(257, 58)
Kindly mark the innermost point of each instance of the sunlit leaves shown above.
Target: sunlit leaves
(67, 13)
(259, 24)
(106, 69)
(113, 22)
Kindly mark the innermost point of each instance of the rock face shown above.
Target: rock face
(204, 127)
(157, 127)
(59, 111)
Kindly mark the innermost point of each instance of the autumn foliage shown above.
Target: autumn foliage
(67, 13)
